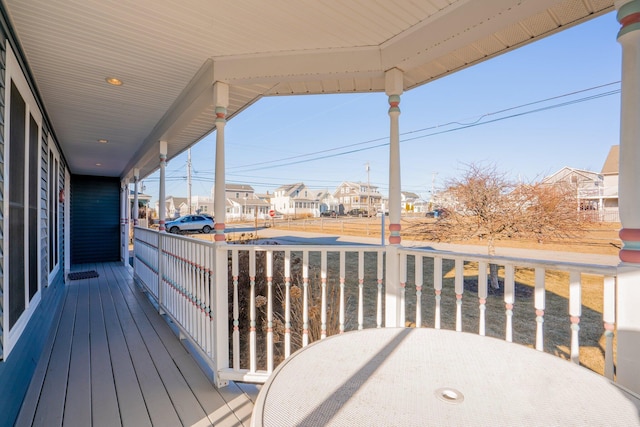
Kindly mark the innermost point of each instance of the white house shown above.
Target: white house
(296, 200)
(610, 171)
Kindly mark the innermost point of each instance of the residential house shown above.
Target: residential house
(587, 184)
(610, 172)
(357, 195)
(202, 205)
(174, 206)
(408, 201)
(242, 204)
(295, 201)
(327, 201)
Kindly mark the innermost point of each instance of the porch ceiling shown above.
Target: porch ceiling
(168, 54)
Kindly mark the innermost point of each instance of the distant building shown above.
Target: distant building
(296, 200)
(610, 171)
(358, 195)
(408, 201)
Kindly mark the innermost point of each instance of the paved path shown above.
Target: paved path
(308, 238)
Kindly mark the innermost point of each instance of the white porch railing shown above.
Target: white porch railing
(281, 297)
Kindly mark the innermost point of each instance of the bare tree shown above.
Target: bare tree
(486, 205)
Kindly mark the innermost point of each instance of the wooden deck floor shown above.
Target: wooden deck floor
(112, 360)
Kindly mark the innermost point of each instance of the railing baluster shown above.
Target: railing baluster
(380, 276)
(323, 303)
(252, 311)
(360, 290)
(482, 297)
(287, 303)
(540, 299)
(305, 298)
(459, 289)
(236, 310)
(575, 311)
(509, 299)
(342, 280)
(419, 281)
(269, 260)
(609, 318)
(437, 285)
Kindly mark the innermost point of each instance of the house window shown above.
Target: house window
(342, 190)
(237, 195)
(347, 190)
(24, 196)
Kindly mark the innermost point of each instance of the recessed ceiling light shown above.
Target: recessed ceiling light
(103, 141)
(98, 164)
(114, 81)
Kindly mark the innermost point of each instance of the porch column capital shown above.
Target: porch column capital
(393, 82)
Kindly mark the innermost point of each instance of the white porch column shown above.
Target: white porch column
(221, 100)
(393, 300)
(136, 179)
(124, 223)
(220, 327)
(628, 287)
(162, 204)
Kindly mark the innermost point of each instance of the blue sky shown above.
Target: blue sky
(509, 111)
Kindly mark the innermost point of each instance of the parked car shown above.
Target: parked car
(437, 213)
(198, 223)
(358, 212)
(330, 214)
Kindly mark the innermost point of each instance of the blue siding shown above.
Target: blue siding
(17, 370)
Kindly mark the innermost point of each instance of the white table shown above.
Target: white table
(427, 377)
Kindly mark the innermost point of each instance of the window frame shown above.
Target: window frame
(15, 76)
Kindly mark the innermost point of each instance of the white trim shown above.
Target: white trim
(67, 224)
(53, 149)
(14, 74)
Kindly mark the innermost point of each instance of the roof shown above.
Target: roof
(410, 195)
(238, 187)
(568, 171)
(612, 163)
(168, 56)
(289, 189)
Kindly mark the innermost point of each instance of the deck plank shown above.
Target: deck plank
(30, 402)
(50, 410)
(77, 411)
(188, 409)
(133, 409)
(104, 401)
(219, 413)
(159, 404)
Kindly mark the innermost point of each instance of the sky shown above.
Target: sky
(530, 112)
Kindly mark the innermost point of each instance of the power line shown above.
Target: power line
(462, 126)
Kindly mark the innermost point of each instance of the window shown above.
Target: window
(23, 195)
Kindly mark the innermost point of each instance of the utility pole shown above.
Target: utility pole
(189, 179)
(368, 169)
(433, 187)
